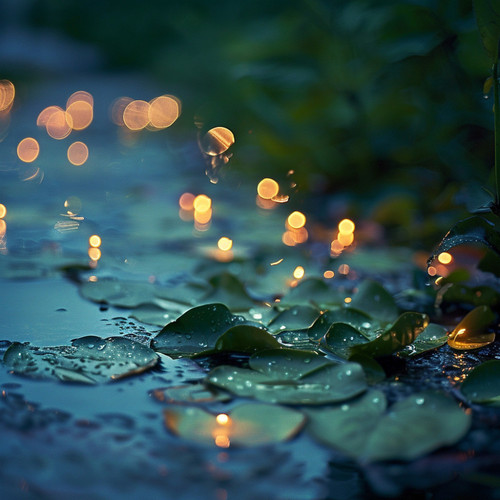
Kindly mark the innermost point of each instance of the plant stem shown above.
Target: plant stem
(496, 114)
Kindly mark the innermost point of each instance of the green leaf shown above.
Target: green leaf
(410, 429)
(470, 332)
(229, 290)
(248, 425)
(357, 319)
(404, 331)
(294, 318)
(297, 339)
(482, 385)
(488, 22)
(153, 314)
(432, 337)
(195, 331)
(374, 300)
(340, 338)
(89, 360)
(474, 230)
(245, 339)
(312, 291)
(327, 384)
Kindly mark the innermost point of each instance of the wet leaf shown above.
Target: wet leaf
(153, 314)
(195, 331)
(488, 21)
(294, 318)
(118, 293)
(470, 332)
(432, 337)
(482, 385)
(353, 317)
(189, 393)
(229, 290)
(403, 332)
(340, 338)
(374, 372)
(247, 425)
(410, 429)
(89, 360)
(326, 384)
(373, 299)
(246, 339)
(297, 339)
(312, 291)
(474, 230)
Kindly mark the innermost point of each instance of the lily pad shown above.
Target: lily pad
(353, 317)
(327, 384)
(118, 293)
(154, 314)
(297, 339)
(189, 393)
(403, 332)
(195, 331)
(482, 385)
(410, 429)
(373, 299)
(313, 291)
(470, 332)
(229, 290)
(294, 318)
(247, 425)
(89, 360)
(340, 338)
(246, 339)
(432, 337)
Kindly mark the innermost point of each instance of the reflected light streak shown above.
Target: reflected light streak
(3, 228)
(7, 94)
(28, 150)
(78, 153)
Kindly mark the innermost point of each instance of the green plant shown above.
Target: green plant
(484, 230)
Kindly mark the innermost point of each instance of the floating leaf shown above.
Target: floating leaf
(229, 290)
(247, 425)
(246, 339)
(313, 291)
(474, 230)
(88, 360)
(189, 393)
(488, 22)
(118, 293)
(153, 314)
(411, 428)
(357, 319)
(340, 338)
(470, 332)
(432, 337)
(294, 318)
(327, 384)
(195, 331)
(482, 385)
(373, 299)
(298, 339)
(404, 331)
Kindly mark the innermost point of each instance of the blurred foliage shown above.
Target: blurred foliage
(349, 95)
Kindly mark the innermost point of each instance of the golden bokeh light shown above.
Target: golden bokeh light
(217, 141)
(45, 114)
(344, 269)
(298, 272)
(445, 258)
(136, 115)
(186, 201)
(296, 220)
(328, 274)
(94, 254)
(164, 111)
(222, 419)
(288, 239)
(80, 95)
(225, 244)
(202, 203)
(3, 228)
(78, 153)
(346, 226)
(336, 248)
(203, 217)
(345, 239)
(95, 241)
(117, 108)
(431, 271)
(59, 124)
(81, 113)
(222, 441)
(268, 188)
(348, 300)
(3, 211)
(7, 94)
(28, 150)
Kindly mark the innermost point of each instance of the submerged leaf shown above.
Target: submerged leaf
(247, 425)
(195, 331)
(88, 360)
(470, 332)
(482, 385)
(411, 428)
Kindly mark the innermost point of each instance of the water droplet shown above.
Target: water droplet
(344, 407)
(420, 401)
(307, 360)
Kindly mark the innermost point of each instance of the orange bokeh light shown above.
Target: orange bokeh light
(346, 239)
(59, 124)
(222, 419)
(28, 150)
(268, 188)
(296, 220)
(445, 258)
(45, 114)
(94, 254)
(3, 228)
(78, 153)
(81, 113)
(136, 115)
(346, 226)
(344, 269)
(95, 241)
(80, 95)
(7, 94)
(186, 201)
(298, 272)
(328, 274)
(217, 141)
(3, 211)
(163, 111)
(202, 203)
(203, 217)
(225, 244)
(117, 109)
